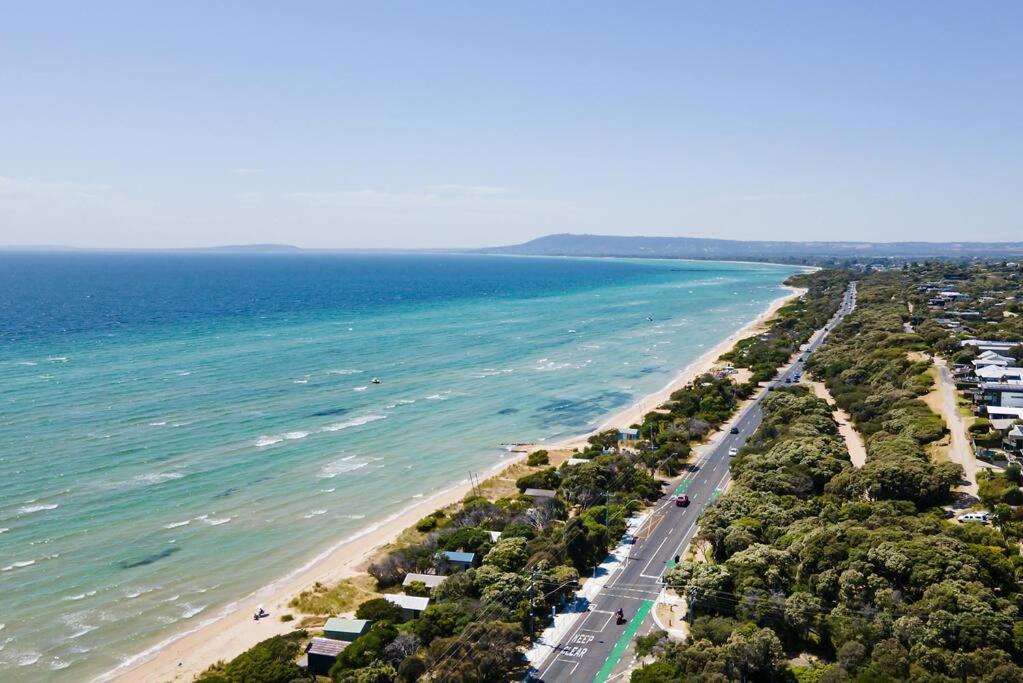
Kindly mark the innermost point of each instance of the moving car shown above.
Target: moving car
(733, 451)
(733, 430)
(682, 500)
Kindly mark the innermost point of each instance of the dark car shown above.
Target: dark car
(682, 500)
(733, 430)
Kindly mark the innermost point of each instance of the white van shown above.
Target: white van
(982, 517)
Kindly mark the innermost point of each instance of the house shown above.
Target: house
(411, 605)
(1003, 417)
(576, 461)
(1014, 439)
(992, 358)
(457, 558)
(541, 494)
(1002, 394)
(345, 629)
(1000, 373)
(321, 654)
(628, 434)
(431, 581)
(989, 345)
(494, 535)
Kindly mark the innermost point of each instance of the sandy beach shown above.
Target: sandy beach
(186, 654)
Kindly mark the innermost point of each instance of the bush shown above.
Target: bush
(981, 425)
(379, 609)
(428, 523)
(269, 661)
(538, 458)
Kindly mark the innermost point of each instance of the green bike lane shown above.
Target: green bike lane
(623, 642)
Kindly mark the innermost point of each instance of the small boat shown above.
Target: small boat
(375, 380)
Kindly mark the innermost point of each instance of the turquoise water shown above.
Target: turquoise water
(178, 431)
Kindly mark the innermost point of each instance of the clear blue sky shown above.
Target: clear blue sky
(432, 124)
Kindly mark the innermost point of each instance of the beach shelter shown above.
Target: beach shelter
(345, 629)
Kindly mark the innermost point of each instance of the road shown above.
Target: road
(592, 649)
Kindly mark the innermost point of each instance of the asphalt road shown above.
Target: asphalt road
(593, 648)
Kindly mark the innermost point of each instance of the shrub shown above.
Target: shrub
(379, 609)
(428, 523)
(538, 458)
(269, 661)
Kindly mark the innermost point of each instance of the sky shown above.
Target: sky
(466, 124)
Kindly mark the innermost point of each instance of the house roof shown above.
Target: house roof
(327, 646)
(1004, 412)
(995, 372)
(1016, 432)
(494, 535)
(458, 556)
(346, 625)
(413, 602)
(629, 431)
(541, 493)
(428, 580)
(1001, 386)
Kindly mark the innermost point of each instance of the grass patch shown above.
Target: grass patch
(344, 597)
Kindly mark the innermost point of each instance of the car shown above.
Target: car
(682, 500)
(981, 517)
(733, 451)
(788, 380)
(733, 430)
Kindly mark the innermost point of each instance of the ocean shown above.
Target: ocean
(178, 430)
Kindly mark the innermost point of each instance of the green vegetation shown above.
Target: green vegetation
(270, 661)
(856, 567)
(537, 458)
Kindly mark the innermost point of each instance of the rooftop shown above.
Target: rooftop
(346, 625)
(429, 580)
(412, 602)
(541, 493)
(327, 646)
(458, 556)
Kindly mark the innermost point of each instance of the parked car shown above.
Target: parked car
(682, 500)
(982, 517)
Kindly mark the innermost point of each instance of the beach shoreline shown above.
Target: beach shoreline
(185, 654)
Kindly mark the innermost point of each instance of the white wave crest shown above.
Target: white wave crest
(216, 521)
(28, 509)
(175, 525)
(333, 469)
(354, 422)
(314, 513)
(265, 441)
(344, 371)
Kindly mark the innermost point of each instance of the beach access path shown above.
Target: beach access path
(594, 647)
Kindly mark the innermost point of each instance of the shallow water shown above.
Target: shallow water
(179, 430)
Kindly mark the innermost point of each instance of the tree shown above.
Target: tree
(508, 554)
(487, 652)
(379, 609)
(705, 587)
(441, 620)
(365, 649)
(753, 653)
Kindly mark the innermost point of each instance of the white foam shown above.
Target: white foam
(217, 522)
(183, 373)
(56, 664)
(355, 516)
(158, 424)
(314, 513)
(27, 362)
(264, 441)
(157, 477)
(18, 565)
(28, 509)
(330, 490)
(360, 388)
(80, 596)
(28, 659)
(333, 469)
(192, 611)
(354, 422)
(300, 381)
(57, 359)
(3, 530)
(137, 593)
(292, 436)
(344, 371)
(175, 525)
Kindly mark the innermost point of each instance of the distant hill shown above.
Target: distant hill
(702, 248)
